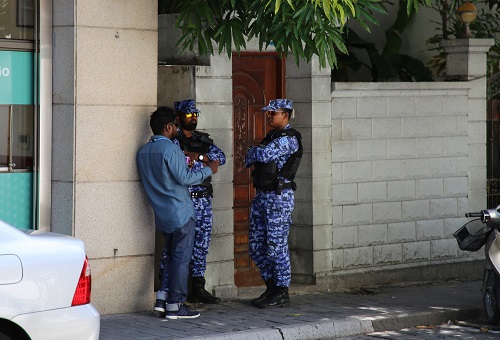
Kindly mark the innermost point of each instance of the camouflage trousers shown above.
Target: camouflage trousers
(271, 217)
(202, 237)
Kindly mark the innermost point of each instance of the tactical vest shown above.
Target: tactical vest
(198, 145)
(265, 176)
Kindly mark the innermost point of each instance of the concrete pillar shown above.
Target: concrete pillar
(466, 61)
(466, 58)
(211, 87)
(311, 234)
(104, 89)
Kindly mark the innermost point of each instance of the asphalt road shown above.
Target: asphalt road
(477, 330)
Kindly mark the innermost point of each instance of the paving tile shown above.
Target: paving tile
(309, 316)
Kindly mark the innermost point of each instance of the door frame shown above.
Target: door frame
(44, 96)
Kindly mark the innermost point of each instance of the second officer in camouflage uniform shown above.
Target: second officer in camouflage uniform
(275, 163)
(199, 149)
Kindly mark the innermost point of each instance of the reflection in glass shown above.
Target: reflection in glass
(17, 19)
(4, 137)
(16, 138)
(22, 137)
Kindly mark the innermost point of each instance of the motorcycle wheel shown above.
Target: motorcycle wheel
(491, 298)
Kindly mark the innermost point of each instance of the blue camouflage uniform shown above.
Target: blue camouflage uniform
(203, 208)
(271, 213)
(202, 205)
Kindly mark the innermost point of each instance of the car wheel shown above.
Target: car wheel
(491, 299)
(4, 337)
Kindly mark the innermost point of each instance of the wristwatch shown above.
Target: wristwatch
(201, 158)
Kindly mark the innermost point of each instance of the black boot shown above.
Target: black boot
(278, 298)
(269, 290)
(198, 292)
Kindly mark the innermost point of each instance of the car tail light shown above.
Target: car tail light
(83, 288)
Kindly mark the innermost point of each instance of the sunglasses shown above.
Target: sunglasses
(192, 114)
(273, 113)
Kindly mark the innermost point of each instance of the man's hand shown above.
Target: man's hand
(214, 165)
(196, 156)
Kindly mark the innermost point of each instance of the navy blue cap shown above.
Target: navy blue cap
(186, 106)
(278, 104)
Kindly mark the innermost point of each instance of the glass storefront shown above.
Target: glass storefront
(18, 112)
(17, 19)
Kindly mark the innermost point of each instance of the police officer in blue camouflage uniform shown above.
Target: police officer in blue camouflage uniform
(275, 162)
(199, 149)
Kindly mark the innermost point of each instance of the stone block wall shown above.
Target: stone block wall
(404, 159)
(408, 160)
(388, 171)
(104, 89)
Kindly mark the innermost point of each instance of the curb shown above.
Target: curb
(424, 319)
(346, 328)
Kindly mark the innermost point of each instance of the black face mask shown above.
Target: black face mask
(191, 126)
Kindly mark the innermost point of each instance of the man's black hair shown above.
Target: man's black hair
(161, 117)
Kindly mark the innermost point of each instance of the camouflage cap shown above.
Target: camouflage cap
(186, 106)
(278, 104)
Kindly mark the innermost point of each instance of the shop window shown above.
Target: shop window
(17, 19)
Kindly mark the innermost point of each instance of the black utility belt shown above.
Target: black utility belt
(200, 194)
(278, 187)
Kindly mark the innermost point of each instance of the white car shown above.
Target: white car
(45, 286)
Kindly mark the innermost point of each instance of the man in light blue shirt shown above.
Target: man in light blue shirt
(166, 178)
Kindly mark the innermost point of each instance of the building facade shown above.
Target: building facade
(387, 173)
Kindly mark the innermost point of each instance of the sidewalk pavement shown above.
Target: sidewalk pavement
(310, 315)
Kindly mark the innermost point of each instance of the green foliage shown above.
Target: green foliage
(388, 65)
(306, 28)
(310, 27)
(301, 27)
(413, 5)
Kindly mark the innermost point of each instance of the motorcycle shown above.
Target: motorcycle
(485, 230)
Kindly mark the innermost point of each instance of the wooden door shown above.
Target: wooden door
(257, 78)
